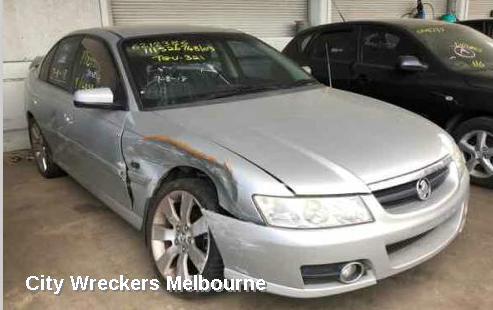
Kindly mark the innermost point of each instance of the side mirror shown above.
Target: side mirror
(411, 64)
(307, 69)
(95, 98)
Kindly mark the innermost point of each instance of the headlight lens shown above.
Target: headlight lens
(458, 158)
(312, 212)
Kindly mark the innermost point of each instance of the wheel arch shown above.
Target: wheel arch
(181, 172)
(460, 118)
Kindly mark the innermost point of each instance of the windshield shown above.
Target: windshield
(178, 69)
(458, 47)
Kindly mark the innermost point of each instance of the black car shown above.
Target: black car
(441, 71)
(483, 25)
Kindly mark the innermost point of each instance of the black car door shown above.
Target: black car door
(378, 75)
(332, 55)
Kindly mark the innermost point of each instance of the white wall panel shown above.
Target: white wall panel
(382, 9)
(479, 9)
(31, 27)
(271, 18)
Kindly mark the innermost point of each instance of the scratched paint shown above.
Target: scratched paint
(222, 171)
(182, 146)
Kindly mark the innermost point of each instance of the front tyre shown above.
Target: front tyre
(42, 152)
(178, 236)
(475, 139)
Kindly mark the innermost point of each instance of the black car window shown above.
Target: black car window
(458, 47)
(342, 46)
(478, 25)
(303, 42)
(380, 46)
(45, 66)
(254, 63)
(61, 65)
(95, 68)
(298, 46)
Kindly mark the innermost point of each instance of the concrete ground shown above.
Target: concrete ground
(55, 227)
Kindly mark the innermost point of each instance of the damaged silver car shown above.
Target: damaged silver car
(235, 163)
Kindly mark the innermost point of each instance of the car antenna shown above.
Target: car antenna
(338, 11)
(329, 71)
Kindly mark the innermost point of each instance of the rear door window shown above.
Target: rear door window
(341, 46)
(60, 72)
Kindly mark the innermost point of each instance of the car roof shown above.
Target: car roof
(482, 20)
(150, 30)
(399, 23)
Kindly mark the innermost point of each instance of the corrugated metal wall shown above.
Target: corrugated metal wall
(480, 8)
(382, 9)
(264, 18)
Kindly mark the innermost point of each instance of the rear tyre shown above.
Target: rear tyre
(475, 139)
(42, 152)
(177, 234)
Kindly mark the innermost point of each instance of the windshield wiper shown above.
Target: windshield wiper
(299, 83)
(278, 85)
(245, 89)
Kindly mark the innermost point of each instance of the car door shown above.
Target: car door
(377, 73)
(332, 56)
(52, 95)
(95, 134)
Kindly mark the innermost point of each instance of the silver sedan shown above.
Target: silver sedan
(237, 164)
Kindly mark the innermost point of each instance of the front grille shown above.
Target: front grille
(397, 195)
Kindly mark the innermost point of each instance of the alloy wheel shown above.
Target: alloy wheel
(39, 148)
(180, 240)
(477, 147)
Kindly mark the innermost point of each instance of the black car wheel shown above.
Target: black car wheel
(42, 153)
(475, 139)
(178, 236)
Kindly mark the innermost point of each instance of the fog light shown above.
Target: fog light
(351, 272)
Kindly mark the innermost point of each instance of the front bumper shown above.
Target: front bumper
(276, 255)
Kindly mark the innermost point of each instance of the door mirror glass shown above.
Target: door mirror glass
(307, 69)
(95, 98)
(411, 64)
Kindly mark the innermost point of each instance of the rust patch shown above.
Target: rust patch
(223, 172)
(182, 146)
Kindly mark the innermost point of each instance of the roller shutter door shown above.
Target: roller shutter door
(382, 9)
(264, 18)
(480, 9)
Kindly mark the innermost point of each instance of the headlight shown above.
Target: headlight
(312, 212)
(458, 158)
